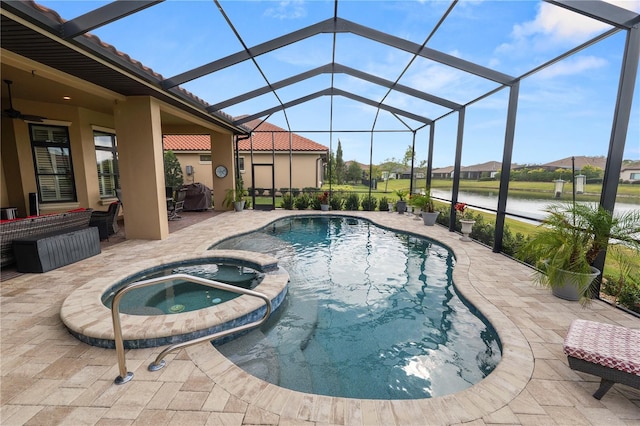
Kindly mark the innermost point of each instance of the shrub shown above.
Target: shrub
(301, 202)
(352, 202)
(335, 201)
(511, 243)
(369, 203)
(384, 204)
(630, 297)
(314, 202)
(287, 201)
(443, 217)
(295, 191)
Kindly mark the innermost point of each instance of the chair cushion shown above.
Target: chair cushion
(604, 344)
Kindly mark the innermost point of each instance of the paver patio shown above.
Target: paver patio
(48, 377)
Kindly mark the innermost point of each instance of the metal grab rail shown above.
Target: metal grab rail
(125, 375)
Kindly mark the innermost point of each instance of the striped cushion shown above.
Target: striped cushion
(604, 344)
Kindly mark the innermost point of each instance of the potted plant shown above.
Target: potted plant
(466, 220)
(324, 201)
(425, 204)
(568, 242)
(401, 204)
(235, 196)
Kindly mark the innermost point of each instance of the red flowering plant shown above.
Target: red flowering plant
(324, 198)
(461, 209)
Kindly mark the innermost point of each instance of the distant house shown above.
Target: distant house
(630, 172)
(477, 171)
(363, 167)
(442, 173)
(579, 163)
(264, 156)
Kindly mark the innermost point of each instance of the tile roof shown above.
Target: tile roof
(261, 141)
(580, 162)
(489, 166)
(98, 44)
(186, 142)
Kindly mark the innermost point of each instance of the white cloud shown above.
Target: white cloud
(559, 24)
(287, 9)
(572, 66)
(555, 25)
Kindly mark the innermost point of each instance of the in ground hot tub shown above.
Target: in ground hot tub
(167, 314)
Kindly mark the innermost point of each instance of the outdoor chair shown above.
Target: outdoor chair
(106, 221)
(608, 351)
(177, 205)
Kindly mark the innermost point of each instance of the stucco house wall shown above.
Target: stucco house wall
(306, 170)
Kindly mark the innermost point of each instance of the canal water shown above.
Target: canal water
(520, 206)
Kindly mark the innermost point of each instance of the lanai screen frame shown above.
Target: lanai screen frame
(620, 19)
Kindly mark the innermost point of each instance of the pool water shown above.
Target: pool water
(371, 313)
(175, 296)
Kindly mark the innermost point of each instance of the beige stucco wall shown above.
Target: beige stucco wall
(306, 170)
(18, 160)
(203, 171)
(18, 174)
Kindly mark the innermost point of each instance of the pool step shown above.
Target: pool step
(253, 353)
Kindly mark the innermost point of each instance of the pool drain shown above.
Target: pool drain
(176, 308)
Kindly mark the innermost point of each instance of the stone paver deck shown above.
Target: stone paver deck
(49, 378)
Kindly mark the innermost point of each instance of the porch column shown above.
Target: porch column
(141, 160)
(222, 154)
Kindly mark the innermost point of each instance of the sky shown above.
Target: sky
(563, 110)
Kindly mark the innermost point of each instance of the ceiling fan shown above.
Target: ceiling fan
(14, 113)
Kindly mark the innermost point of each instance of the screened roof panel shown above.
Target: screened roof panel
(446, 82)
(310, 85)
(296, 58)
(258, 22)
(224, 84)
(370, 56)
(478, 48)
(407, 19)
(156, 36)
(514, 37)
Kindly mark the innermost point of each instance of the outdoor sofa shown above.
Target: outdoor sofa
(63, 238)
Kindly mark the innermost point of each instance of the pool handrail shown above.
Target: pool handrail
(159, 362)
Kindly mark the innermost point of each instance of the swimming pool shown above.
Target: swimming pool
(371, 313)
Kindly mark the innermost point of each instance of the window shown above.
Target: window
(241, 164)
(205, 158)
(107, 163)
(52, 163)
(634, 176)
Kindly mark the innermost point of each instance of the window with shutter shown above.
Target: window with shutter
(52, 163)
(107, 163)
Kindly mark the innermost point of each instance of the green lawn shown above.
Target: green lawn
(542, 190)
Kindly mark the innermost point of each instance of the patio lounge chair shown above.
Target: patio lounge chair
(608, 351)
(106, 221)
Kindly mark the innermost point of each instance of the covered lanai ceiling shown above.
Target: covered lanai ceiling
(329, 67)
